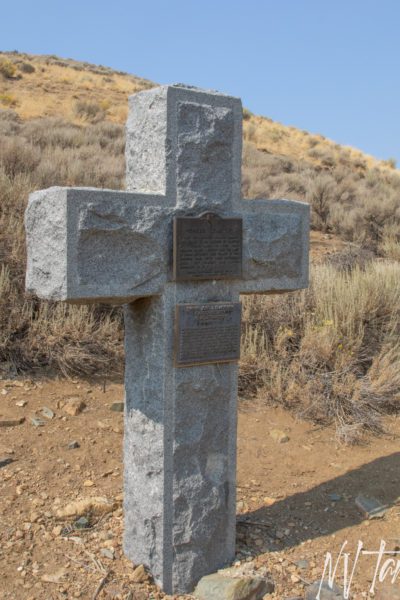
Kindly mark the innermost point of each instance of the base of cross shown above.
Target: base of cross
(178, 248)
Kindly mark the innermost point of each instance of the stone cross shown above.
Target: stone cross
(183, 155)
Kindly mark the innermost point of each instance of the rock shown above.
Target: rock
(54, 577)
(73, 406)
(302, 564)
(88, 483)
(108, 553)
(139, 575)
(57, 530)
(4, 392)
(370, 507)
(37, 422)
(334, 497)
(117, 406)
(96, 506)
(5, 461)
(21, 403)
(11, 422)
(47, 412)
(326, 593)
(82, 523)
(74, 444)
(222, 587)
(269, 501)
(279, 436)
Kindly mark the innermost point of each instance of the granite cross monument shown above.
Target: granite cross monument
(177, 249)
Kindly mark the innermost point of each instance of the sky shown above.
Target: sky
(330, 67)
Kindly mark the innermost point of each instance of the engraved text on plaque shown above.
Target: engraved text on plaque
(207, 247)
(207, 333)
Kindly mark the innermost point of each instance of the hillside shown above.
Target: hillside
(330, 353)
(48, 86)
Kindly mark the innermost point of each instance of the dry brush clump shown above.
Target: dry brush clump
(329, 353)
(346, 197)
(332, 352)
(34, 155)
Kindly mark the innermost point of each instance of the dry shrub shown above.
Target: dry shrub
(345, 197)
(89, 110)
(26, 67)
(7, 68)
(389, 246)
(18, 156)
(34, 155)
(8, 100)
(331, 353)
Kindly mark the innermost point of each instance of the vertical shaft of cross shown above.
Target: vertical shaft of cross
(180, 423)
(180, 449)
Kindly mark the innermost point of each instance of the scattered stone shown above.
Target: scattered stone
(47, 412)
(82, 523)
(4, 392)
(11, 422)
(75, 539)
(108, 553)
(302, 564)
(269, 501)
(37, 422)
(139, 575)
(326, 592)
(279, 436)
(57, 530)
(88, 483)
(370, 507)
(96, 506)
(117, 406)
(5, 461)
(73, 406)
(54, 577)
(222, 587)
(74, 444)
(21, 403)
(334, 497)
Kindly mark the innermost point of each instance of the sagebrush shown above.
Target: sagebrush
(330, 353)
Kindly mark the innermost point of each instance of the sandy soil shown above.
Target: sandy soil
(285, 513)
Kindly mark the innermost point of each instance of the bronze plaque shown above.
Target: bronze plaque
(207, 333)
(207, 247)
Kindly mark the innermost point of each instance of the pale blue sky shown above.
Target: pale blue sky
(328, 67)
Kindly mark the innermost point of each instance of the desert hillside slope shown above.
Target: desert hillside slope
(331, 352)
(49, 86)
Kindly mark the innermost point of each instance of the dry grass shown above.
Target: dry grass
(34, 155)
(355, 202)
(330, 353)
(51, 86)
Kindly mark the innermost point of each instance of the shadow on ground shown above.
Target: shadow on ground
(312, 514)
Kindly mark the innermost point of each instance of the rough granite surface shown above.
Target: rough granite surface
(85, 245)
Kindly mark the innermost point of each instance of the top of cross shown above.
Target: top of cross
(185, 144)
(183, 155)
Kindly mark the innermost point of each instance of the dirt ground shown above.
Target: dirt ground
(285, 512)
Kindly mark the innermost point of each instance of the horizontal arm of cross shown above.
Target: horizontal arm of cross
(275, 245)
(86, 245)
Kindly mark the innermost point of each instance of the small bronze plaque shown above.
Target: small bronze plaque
(207, 247)
(207, 333)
